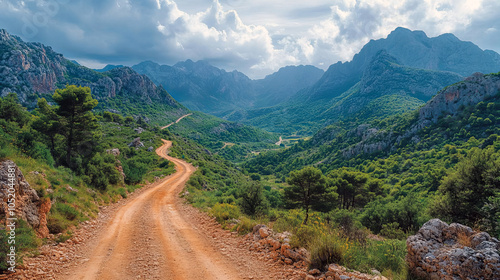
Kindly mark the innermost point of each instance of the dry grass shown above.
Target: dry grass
(463, 239)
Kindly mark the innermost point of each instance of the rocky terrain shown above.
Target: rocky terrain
(28, 205)
(276, 246)
(455, 251)
(472, 90)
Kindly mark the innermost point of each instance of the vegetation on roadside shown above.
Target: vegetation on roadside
(75, 169)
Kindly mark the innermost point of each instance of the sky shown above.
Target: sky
(255, 37)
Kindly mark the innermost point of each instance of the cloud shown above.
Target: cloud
(130, 31)
(254, 37)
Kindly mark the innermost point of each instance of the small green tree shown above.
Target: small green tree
(12, 111)
(355, 189)
(309, 190)
(252, 198)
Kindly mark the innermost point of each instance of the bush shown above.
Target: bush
(305, 235)
(56, 223)
(245, 225)
(392, 231)
(223, 212)
(66, 210)
(289, 220)
(26, 241)
(122, 192)
(325, 250)
(3, 249)
(252, 199)
(134, 171)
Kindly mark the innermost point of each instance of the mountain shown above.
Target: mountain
(201, 86)
(388, 76)
(108, 68)
(284, 83)
(414, 49)
(388, 87)
(463, 114)
(33, 70)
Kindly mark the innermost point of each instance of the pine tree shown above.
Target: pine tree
(77, 120)
(308, 189)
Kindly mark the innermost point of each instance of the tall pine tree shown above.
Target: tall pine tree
(76, 118)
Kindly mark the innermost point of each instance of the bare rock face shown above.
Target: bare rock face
(28, 205)
(472, 90)
(455, 251)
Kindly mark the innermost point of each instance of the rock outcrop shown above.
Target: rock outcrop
(472, 90)
(136, 143)
(27, 204)
(455, 251)
(277, 245)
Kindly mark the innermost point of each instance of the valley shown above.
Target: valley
(196, 172)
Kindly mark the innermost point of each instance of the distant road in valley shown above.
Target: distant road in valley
(177, 121)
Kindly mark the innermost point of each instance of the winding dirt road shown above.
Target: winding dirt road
(177, 121)
(150, 237)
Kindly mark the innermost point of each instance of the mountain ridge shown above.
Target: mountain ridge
(445, 58)
(201, 86)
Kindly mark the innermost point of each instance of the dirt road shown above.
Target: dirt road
(152, 236)
(177, 121)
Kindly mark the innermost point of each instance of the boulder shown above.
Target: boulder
(136, 143)
(455, 251)
(115, 152)
(139, 130)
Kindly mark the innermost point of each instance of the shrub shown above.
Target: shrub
(252, 199)
(289, 220)
(325, 250)
(134, 171)
(305, 235)
(56, 223)
(26, 241)
(66, 210)
(122, 192)
(3, 249)
(392, 231)
(224, 211)
(245, 225)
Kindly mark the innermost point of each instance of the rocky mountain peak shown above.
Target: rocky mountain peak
(4, 35)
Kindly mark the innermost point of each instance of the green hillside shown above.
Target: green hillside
(110, 157)
(410, 157)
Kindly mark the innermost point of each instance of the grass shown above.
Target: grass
(328, 243)
(224, 212)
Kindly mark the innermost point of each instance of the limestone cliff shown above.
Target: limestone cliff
(472, 90)
(27, 204)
